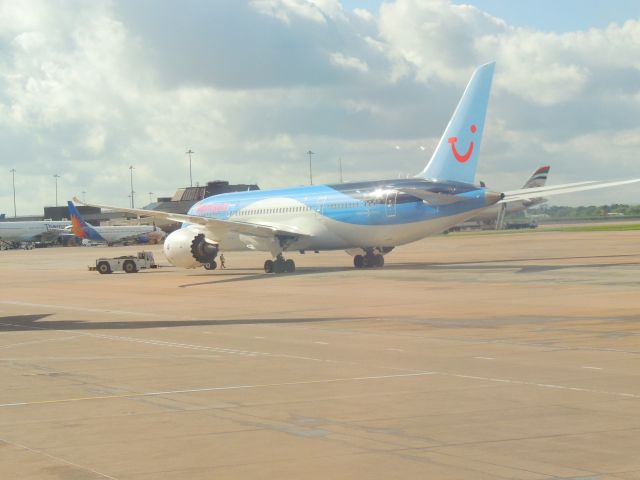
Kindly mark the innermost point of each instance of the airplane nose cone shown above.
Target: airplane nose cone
(492, 197)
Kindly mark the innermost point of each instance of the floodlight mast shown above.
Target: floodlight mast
(310, 170)
(13, 181)
(190, 152)
(131, 169)
(56, 176)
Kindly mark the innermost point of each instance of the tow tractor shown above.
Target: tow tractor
(127, 263)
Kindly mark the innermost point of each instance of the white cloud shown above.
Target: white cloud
(89, 88)
(284, 10)
(342, 60)
(365, 15)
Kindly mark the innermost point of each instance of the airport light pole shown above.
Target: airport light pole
(131, 168)
(190, 152)
(150, 197)
(310, 170)
(13, 181)
(56, 176)
(340, 162)
(84, 196)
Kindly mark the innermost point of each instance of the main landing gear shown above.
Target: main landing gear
(370, 260)
(279, 265)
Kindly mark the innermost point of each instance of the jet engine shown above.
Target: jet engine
(188, 248)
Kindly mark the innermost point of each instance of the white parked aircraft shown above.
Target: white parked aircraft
(497, 212)
(367, 219)
(12, 233)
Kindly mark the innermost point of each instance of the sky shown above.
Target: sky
(88, 89)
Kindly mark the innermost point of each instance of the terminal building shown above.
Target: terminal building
(180, 202)
(185, 198)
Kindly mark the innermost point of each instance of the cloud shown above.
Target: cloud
(353, 63)
(89, 88)
(286, 10)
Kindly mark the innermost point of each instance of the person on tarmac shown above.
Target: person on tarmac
(222, 259)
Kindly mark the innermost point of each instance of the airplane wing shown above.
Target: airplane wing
(529, 193)
(217, 228)
(431, 197)
(51, 234)
(58, 232)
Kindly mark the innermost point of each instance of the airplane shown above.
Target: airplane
(498, 211)
(113, 233)
(367, 219)
(12, 233)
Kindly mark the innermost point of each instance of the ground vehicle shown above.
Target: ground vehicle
(127, 263)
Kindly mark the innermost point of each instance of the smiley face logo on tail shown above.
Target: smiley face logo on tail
(461, 158)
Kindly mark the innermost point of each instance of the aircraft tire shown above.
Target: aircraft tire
(212, 265)
(103, 268)
(278, 266)
(289, 266)
(268, 266)
(379, 260)
(358, 261)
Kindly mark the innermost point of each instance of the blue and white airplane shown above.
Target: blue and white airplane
(367, 219)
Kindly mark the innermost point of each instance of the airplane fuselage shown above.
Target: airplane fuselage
(120, 233)
(345, 216)
(491, 213)
(30, 231)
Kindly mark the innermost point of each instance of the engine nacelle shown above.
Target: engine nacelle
(188, 248)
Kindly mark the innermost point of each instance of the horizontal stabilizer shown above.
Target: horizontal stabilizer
(528, 193)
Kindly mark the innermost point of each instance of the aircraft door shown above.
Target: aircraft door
(322, 201)
(390, 203)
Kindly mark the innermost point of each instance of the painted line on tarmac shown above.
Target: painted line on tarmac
(325, 381)
(216, 389)
(88, 310)
(248, 353)
(58, 339)
(163, 343)
(58, 459)
(221, 350)
(542, 385)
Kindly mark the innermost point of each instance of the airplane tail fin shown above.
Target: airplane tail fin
(538, 179)
(456, 156)
(79, 227)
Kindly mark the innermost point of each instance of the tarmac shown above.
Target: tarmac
(470, 356)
